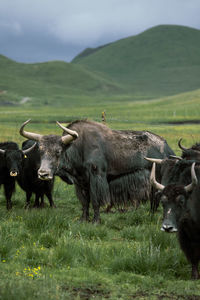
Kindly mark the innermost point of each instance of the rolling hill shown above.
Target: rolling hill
(50, 80)
(163, 60)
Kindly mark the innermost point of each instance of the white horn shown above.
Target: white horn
(156, 184)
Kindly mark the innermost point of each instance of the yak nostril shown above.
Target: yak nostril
(44, 175)
(168, 228)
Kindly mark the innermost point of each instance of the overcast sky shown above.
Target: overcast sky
(43, 30)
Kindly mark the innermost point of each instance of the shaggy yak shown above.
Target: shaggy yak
(106, 166)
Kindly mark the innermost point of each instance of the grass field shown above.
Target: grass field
(49, 254)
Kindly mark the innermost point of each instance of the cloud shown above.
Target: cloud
(86, 23)
(10, 27)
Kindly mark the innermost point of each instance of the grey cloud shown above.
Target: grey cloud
(59, 29)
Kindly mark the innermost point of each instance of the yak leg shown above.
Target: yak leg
(41, 204)
(85, 202)
(99, 194)
(96, 218)
(8, 189)
(37, 201)
(190, 249)
(195, 272)
(49, 196)
(28, 198)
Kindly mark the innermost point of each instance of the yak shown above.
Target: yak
(11, 160)
(28, 179)
(181, 208)
(106, 166)
(190, 153)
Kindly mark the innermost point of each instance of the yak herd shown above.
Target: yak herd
(113, 168)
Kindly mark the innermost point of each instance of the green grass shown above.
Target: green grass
(48, 254)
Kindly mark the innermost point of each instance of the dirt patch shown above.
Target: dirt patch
(87, 293)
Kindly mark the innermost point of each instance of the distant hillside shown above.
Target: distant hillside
(89, 51)
(50, 80)
(163, 60)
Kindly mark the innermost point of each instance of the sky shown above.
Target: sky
(45, 30)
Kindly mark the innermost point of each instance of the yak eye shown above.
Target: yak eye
(163, 199)
(180, 200)
(58, 152)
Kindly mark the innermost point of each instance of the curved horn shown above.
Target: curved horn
(72, 135)
(29, 149)
(176, 157)
(29, 135)
(194, 182)
(156, 184)
(2, 151)
(156, 160)
(180, 146)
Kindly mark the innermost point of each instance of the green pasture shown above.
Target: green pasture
(48, 254)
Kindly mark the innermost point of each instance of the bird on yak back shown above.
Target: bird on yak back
(105, 165)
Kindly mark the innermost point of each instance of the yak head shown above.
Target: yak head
(174, 199)
(51, 149)
(13, 159)
(192, 153)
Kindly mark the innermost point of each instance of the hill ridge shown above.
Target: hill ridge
(160, 59)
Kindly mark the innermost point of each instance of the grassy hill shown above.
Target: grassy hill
(163, 60)
(50, 81)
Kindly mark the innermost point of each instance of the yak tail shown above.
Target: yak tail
(99, 190)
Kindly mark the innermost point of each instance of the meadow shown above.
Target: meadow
(48, 254)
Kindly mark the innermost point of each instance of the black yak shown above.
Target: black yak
(105, 165)
(190, 153)
(28, 178)
(11, 160)
(181, 207)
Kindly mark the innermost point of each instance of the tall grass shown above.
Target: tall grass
(48, 254)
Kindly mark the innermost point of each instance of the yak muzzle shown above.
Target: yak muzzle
(44, 175)
(169, 228)
(13, 173)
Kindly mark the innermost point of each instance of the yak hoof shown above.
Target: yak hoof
(96, 221)
(9, 206)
